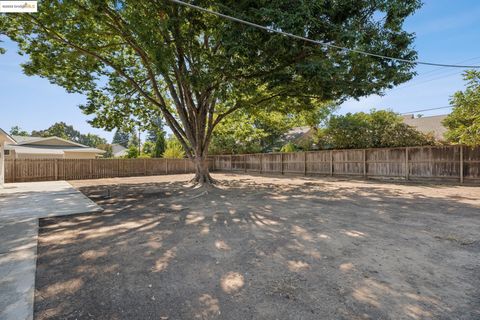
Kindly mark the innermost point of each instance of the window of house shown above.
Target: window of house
(6, 152)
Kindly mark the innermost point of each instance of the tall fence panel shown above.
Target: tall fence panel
(435, 163)
(348, 162)
(319, 162)
(24, 170)
(386, 162)
(253, 162)
(471, 163)
(293, 163)
(224, 162)
(272, 163)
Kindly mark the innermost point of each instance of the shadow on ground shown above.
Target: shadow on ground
(262, 250)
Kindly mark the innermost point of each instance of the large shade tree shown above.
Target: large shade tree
(140, 58)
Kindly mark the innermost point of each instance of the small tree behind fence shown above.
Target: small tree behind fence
(435, 163)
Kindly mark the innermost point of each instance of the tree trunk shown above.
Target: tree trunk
(202, 173)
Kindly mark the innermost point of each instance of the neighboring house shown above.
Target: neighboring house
(48, 148)
(300, 135)
(428, 125)
(119, 151)
(5, 139)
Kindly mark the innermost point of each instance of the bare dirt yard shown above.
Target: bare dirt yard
(263, 248)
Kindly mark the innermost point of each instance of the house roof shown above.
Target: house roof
(297, 134)
(30, 150)
(50, 150)
(118, 150)
(5, 137)
(21, 140)
(84, 150)
(431, 124)
(47, 145)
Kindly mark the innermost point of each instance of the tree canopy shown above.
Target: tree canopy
(17, 131)
(463, 123)
(156, 136)
(261, 131)
(108, 148)
(173, 149)
(139, 59)
(121, 137)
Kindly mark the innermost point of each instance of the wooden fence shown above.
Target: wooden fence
(442, 163)
(439, 163)
(23, 170)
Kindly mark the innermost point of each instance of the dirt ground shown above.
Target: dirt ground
(263, 248)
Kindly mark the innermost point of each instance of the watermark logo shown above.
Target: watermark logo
(18, 6)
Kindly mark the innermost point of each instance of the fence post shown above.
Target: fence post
(407, 168)
(261, 163)
(185, 164)
(144, 167)
(56, 169)
(231, 163)
(305, 163)
(118, 167)
(166, 166)
(245, 163)
(461, 163)
(14, 173)
(331, 162)
(364, 163)
(282, 161)
(90, 165)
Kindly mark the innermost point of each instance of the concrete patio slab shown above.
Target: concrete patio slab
(18, 235)
(42, 199)
(17, 283)
(21, 205)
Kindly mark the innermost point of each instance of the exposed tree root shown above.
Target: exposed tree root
(202, 184)
(203, 180)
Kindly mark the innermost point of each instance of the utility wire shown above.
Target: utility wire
(442, 69)
(320, 42)
(438, 108)
(433, 77)
(441, 73)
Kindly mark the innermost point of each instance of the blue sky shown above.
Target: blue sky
(447, 32)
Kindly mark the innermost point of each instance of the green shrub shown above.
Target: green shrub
(289, 147)
(174, 150)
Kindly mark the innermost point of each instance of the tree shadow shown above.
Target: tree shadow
(251, 250)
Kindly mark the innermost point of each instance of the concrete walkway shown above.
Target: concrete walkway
(21, 205)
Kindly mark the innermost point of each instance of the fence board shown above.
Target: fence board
(294, 162)
(272, 163)
(318, 162)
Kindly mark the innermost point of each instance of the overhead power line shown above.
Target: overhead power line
(442, 69)
(438, 108)
(414, 84)
(325, 44)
